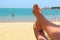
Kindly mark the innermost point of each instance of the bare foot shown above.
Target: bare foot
(52, 29)
(39, 33)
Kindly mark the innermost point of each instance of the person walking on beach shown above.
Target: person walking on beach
(42, 23)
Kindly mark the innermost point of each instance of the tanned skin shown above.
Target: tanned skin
(42, 23)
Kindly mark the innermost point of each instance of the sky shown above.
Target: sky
(28, 3)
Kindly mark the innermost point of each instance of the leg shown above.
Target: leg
(39, 33)
(52, 29)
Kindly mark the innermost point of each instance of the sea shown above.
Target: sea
(26, 15)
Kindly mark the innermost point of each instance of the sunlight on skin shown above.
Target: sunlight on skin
(50, 28)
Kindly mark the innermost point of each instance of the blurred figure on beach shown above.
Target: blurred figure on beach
(3, 15)
(13, 15)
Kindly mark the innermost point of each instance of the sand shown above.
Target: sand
(17, 30)
(56, 22)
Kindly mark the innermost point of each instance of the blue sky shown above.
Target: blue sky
(28, 3)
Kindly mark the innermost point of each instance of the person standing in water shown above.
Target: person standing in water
(3, 15)
(13, 15)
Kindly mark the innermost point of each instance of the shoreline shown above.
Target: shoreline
(55, 22)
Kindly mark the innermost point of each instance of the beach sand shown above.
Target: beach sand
(17, 30)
